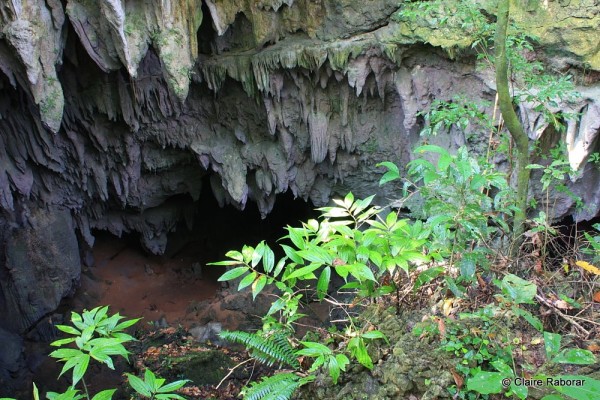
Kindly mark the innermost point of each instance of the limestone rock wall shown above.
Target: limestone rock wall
(116, 114)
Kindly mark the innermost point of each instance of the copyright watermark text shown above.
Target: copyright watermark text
(506, 382)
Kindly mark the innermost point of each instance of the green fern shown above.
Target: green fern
(276, 387)
(269, 350)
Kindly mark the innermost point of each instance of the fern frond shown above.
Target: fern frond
(269, 350)
(277, 387)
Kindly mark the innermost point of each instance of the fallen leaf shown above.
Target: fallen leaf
(536, 340)
(441, 327)
(593, 347)
(588, 267)
(481, 281)
(457, 378)
(596, 297)
(538, 268)
(447, 306)
(562, 305)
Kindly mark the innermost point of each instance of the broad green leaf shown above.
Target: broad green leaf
(570, 386)
(374, 335)
(334, 369)
(313, 348)
(168, 396)
(521, 391)
(532, 319)
(268, 259)
(80, 368)
(258, 285)
(279, 267)
(295, 235)
(359, 351)
(518, 290)
(323, 283)
(257, 254)
(316, 254)
(427, 276)
(139, 385)
(575, 356)
(173, 386)
(62, 342)
(551, 344)
(126, 324)
(304, 272)
(292, 254)
(486, 382)
(68, 329)
(235, 255)
(392, 173)
(104, 395)
(65, 353)
(247, 281)
(233, 273)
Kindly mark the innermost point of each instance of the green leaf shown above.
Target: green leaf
(518, 290)
(374, 335)
(323, 283)
(570, 386)
(173, 386)
(268, 259)
(168, 396)
(304, 272)
(292, 254)
(139, 385)
(486, 382)
(104, 395)
(575, 356)
(532, 319)
(393, 172)
(258, 285)
(247, 281)
(62, 342)
(80, 368)
(295, 235)
(551, 344)
(316, 254)
(359, 351)
(233, 273)
(427, 276)
(68, 329)
(235, 255)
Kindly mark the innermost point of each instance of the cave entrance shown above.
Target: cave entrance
(169, 289)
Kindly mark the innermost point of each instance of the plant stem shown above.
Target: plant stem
(512, 122)
(87, 394)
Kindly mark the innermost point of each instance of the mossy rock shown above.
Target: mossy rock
(202, 368)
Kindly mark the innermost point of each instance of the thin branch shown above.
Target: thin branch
(233, 369)
(566, 317)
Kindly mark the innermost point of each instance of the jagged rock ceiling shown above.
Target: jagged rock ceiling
(116, 112)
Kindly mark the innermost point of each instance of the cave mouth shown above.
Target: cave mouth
(171, 288)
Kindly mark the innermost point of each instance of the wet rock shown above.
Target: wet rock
(207, 333)
(12, 361)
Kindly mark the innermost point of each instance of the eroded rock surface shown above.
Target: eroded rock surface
(119, 113)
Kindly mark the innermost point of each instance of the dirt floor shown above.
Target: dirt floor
(135, 284)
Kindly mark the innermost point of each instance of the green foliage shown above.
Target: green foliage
(273, 349)
(484, 346)
(97, 336)
(461, 112)
(592, 247)
(277, 387)
(466, 205)
(155, 388)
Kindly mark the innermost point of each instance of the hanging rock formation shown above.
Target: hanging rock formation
(115, 114)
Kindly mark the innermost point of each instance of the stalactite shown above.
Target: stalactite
(318, 123)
